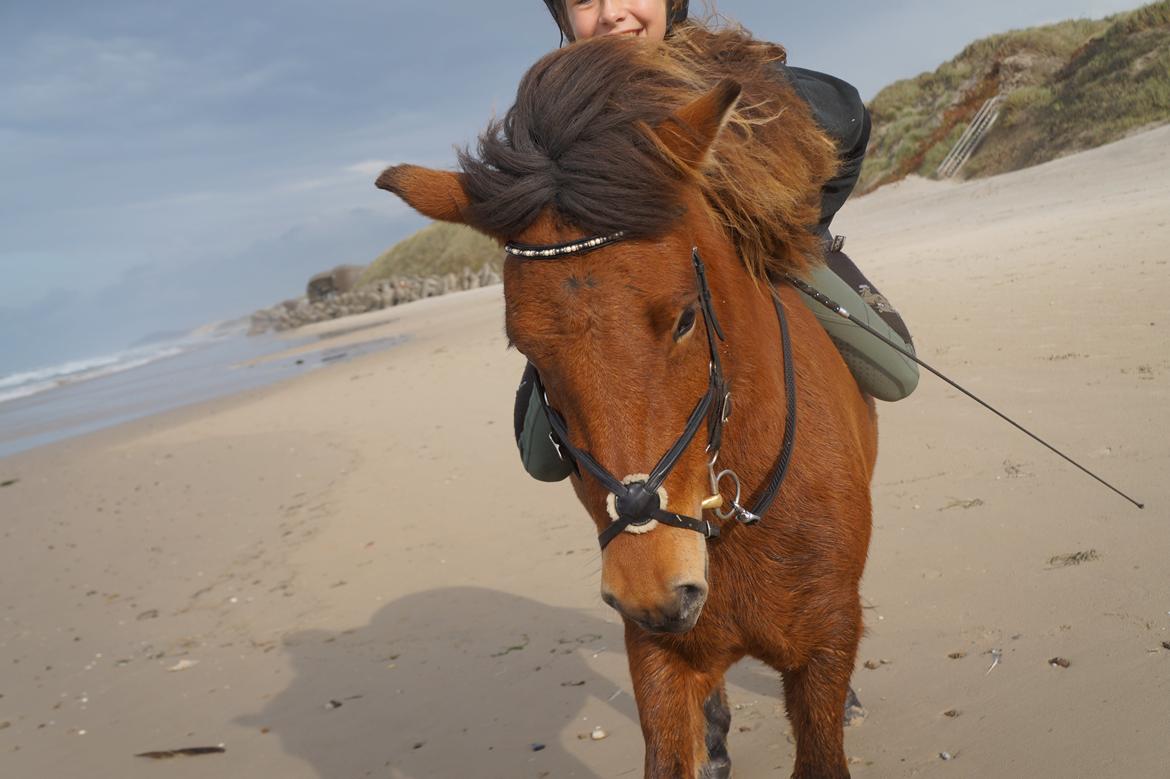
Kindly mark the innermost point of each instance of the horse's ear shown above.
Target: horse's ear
(438, 194)
(690, 131)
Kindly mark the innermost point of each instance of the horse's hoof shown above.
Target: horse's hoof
(855, 713)
(719, 768)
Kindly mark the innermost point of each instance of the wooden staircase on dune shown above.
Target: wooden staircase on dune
(969, 141)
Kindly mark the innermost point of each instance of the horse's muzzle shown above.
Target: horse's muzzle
(676, 616)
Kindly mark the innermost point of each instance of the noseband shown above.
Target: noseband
(638, 503)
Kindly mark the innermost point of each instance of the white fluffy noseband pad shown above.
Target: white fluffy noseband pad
(611, 505)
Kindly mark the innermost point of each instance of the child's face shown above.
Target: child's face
(640, 18)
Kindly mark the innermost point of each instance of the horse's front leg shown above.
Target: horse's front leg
(815, 698)
(718, 716)
(677, 699)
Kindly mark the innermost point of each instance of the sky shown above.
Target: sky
(168, 164)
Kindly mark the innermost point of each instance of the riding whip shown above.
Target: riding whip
(841, 311)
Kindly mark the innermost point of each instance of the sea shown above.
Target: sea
(57, 402)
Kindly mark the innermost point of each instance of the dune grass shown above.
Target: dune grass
(1067, 87)
(435, 250)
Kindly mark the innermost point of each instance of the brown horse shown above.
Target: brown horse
(617, 160)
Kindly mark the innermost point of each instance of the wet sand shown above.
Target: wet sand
(348, 574)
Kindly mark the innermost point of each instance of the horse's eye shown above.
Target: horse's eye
(685, 322)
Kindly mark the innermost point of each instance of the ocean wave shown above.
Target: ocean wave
(27, 383)
(25, 390)
(53, 371)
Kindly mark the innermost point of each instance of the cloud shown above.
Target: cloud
(62, 77)
(368, 167)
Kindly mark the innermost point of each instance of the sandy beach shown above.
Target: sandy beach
(348, 574)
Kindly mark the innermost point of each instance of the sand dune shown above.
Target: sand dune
(349, 575)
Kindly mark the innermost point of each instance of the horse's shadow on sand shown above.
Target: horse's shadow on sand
(451, 682)
(458, 681)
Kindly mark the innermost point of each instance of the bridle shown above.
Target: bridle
(638, 502)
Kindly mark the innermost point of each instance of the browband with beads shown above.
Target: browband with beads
(553, 251)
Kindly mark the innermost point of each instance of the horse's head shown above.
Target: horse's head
(618, 330)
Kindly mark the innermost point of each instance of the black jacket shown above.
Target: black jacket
(838, 109)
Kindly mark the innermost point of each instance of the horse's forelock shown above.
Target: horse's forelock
(579, 143)
(574, 142)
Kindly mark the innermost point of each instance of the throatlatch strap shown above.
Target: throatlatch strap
(780, 470)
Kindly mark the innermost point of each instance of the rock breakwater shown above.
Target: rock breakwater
(389, 292)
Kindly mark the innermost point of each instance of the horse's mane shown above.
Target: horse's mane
(579, 141)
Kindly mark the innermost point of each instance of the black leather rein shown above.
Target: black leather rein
(638, 503)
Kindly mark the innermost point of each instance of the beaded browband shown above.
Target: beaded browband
(552, 251)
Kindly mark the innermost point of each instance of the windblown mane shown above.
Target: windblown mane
(579, 141)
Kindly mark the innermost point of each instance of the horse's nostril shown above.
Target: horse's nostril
(690, 596)
(610, 600)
